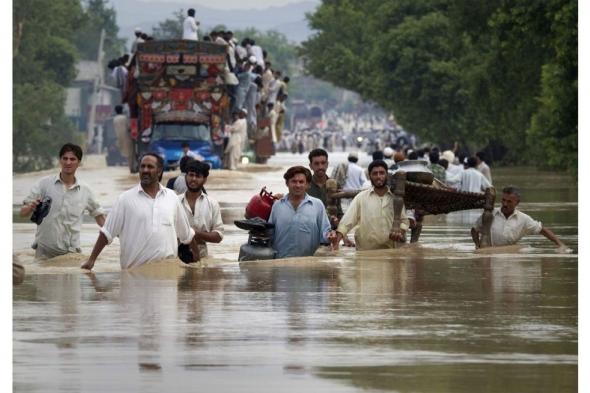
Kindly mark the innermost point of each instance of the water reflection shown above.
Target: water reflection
(384, 321)
(456, 378)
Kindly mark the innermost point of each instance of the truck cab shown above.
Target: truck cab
(167, 138)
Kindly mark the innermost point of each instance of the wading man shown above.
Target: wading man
(509, 224)
(59, 232)
(300, 220)
(473, 180)
(318, 163)
(148, 219)
(372, 211)
(202, 210)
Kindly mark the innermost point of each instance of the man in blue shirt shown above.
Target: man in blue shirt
(300, 220)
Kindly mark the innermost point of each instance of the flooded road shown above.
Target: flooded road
(433, 317)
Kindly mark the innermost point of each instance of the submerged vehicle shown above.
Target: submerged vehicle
(167, 140)
(178, 95)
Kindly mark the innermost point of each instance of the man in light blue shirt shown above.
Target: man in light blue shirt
(300, 220)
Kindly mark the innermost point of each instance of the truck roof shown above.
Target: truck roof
(178, 63)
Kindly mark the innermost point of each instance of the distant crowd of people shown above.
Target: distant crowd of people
(460, 172)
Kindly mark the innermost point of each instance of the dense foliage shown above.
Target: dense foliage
(49, 37)
(170, 28)
(500, 73)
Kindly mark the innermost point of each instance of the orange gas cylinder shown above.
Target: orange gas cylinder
(260, 205)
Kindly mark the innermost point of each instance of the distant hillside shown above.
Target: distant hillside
(288, 19)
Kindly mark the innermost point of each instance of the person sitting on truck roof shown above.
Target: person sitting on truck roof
(190, 26)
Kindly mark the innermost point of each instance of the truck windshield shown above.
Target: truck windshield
(181, 132)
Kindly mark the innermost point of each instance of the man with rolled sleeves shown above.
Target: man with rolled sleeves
(372, 210)
(59, 232)
(509, 224)
(148, 219)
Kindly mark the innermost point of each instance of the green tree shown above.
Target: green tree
(48, 38)
(170, 28)
(97, 16)
(497, 72)
(554, 127)
(44, 58)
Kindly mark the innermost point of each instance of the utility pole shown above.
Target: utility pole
(95, 91)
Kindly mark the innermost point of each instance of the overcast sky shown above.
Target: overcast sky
(233, 4)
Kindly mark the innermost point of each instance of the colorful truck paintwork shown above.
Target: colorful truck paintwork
(179, 85)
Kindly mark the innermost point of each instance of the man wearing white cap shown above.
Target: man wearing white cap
(137, 40)
(355, 176)
(453, 172)
(388, 156)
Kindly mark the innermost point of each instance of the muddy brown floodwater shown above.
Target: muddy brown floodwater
(433, 317)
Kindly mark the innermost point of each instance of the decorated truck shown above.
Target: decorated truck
(177, 94)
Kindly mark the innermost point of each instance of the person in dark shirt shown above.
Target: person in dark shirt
(318, 163)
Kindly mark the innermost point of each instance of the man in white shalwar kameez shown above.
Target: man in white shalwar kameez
(233, 150)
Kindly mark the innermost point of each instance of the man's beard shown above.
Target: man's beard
(194, 189)
(374, 184)
(147, 180)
